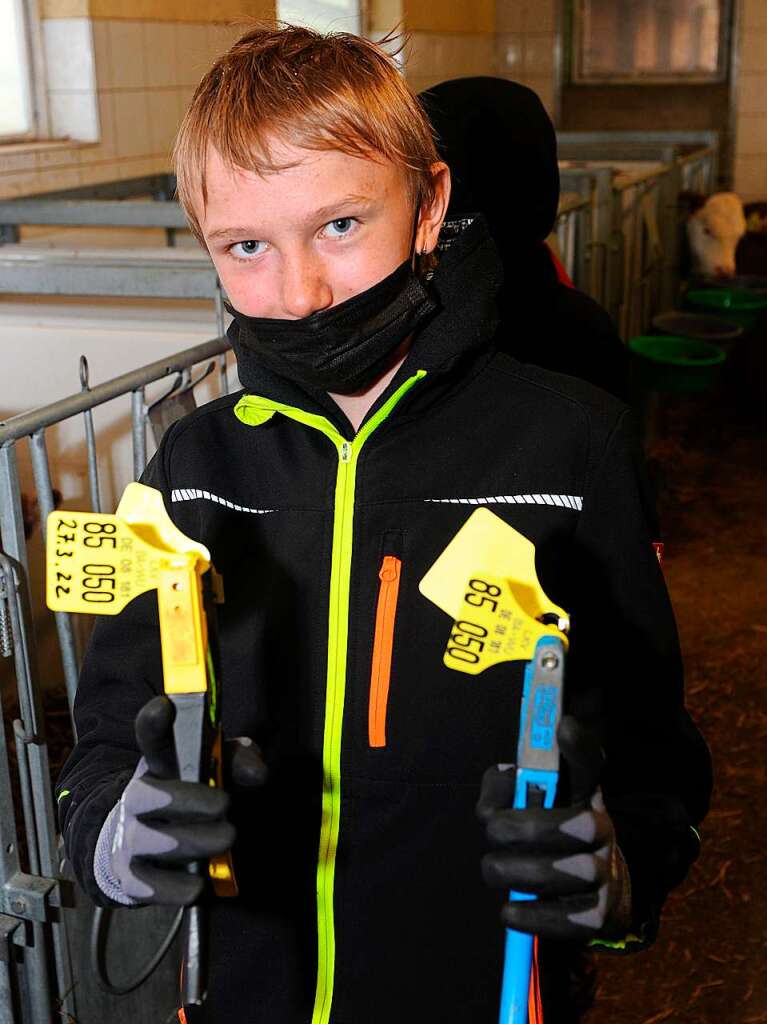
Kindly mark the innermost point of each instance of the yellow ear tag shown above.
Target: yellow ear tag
(492, 627)
(97, 564)
(486, 581)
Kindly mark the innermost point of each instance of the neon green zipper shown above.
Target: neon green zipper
(254, 410)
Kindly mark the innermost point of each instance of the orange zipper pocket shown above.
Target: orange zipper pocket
(383, 643)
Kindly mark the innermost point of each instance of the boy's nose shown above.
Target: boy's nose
(305, 289)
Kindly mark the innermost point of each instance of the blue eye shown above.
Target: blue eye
(341, 226)
(250, 247)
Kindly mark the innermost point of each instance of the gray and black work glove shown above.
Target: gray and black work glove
(567, 857)
(163, 824)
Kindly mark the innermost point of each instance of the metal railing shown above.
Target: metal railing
(635, 229)
(109, 204)
(571, 234)
(632, 275)
(156, 273)
(594, 188)
(44, 920)
(635, 292)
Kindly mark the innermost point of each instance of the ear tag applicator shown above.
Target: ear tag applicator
(486, 581)
(97, 564)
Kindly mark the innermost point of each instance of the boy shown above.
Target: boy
(375, 409)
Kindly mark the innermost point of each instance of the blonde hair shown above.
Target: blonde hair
(317, 91)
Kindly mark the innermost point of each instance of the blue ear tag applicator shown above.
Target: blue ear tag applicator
(536, 784)
(486, 582)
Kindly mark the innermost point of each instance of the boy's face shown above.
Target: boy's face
(305, 238)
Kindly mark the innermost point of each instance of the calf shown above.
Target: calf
(715, 226)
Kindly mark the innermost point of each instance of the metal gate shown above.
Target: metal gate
(53, 941)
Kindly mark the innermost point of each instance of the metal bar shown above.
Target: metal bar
(9, 928)
(569, 202)
(64, 628)
(123, 188)
(7, 1015)
(34, 771)
(9, 855)
(602, 232)
(670, 187)
(36, 970)
(11, 516)
(90, 441)
(614, 152)
(698, 170)
(64, 272)
(218, 300)
(35, 965)
(585, 182)
(27, 423)
(93, 213)
(138, 429)
(18, 613)
(27, 804)
(697, 155)
(627, 181)
(670, 137)
(584, 252)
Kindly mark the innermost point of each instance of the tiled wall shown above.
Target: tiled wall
(131, 67)
(125, 83)
(526, 45)
(751, 100)
(448, 40)
(515, 39)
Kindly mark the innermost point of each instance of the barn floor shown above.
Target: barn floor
(709, 965)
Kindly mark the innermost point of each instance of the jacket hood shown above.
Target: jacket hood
(500, 145)
(464, 284)
(501, 148)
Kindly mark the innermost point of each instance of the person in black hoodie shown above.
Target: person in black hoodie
(375, 859)
(500, 146)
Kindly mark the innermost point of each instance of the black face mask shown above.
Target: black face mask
(344, 348)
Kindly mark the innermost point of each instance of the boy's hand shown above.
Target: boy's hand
(163, 823)
(566, 856)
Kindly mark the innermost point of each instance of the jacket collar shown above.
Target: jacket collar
(465, 284)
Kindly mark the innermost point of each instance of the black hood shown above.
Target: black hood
(500, 145)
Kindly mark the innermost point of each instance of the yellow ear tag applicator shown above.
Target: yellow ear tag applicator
(98, 563)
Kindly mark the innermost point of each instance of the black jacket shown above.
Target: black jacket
(300, 516)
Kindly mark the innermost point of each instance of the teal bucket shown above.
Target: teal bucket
(671, 363)
(736, 305)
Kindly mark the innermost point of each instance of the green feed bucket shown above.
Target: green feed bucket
(736, 305)
(671, 363)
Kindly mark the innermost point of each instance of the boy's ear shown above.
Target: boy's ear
(432, 216)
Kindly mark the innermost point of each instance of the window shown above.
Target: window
(16, 106)
(649, 40)
(323, 15)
